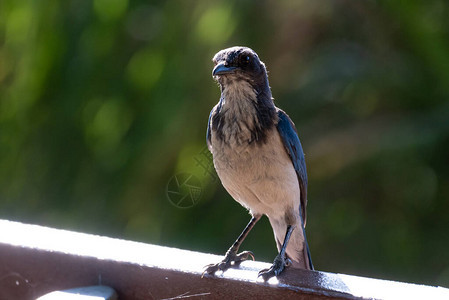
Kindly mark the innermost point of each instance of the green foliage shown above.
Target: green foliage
(103, 102)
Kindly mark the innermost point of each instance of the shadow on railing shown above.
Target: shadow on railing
(36, 260)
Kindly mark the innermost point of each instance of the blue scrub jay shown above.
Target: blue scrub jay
(259, 159)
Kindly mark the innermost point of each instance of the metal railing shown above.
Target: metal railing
(37, 260)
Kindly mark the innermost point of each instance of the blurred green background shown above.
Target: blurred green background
(102, 102)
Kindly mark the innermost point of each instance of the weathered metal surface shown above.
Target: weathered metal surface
(37, 260)
(96, 292)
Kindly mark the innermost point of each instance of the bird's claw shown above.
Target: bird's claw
(276, 268)
(231, 259)
(242, 256)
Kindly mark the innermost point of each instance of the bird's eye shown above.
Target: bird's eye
(245, 59)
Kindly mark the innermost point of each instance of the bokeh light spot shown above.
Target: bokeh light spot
(145, 69)
(110, 10)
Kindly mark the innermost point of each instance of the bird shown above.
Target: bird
(259, 159)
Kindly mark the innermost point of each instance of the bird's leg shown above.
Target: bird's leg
(231, 256)
(280, 261)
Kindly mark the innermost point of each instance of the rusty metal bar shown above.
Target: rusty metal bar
(36, 260)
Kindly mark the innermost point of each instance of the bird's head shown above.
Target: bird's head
(239, 63)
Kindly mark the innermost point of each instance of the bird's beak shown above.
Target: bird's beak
(221, 69)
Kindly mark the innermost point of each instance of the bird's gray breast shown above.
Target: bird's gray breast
(248, 153)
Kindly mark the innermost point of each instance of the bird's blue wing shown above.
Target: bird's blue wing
(209, 128)
(216, 109)
(290, 138)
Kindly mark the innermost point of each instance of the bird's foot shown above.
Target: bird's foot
(279, 263)
(231, 259)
